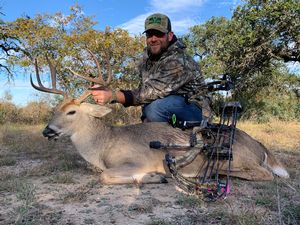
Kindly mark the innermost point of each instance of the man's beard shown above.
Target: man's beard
(156, 56)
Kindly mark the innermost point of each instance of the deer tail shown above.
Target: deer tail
(274, 165)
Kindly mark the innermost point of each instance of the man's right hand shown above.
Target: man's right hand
(104, 96)
(101, 96)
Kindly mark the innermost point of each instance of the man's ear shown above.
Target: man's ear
(170, 35)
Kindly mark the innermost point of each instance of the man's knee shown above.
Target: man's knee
(156, 112)
(161, 110)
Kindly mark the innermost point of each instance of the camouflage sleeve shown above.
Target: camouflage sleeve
(171, 74)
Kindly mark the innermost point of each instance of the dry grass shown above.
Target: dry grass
(11, 135)
(277, 135)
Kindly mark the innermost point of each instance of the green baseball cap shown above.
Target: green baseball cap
(158, 22)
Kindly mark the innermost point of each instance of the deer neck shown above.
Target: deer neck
(92, 140)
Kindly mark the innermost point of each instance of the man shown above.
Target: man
(171, 81)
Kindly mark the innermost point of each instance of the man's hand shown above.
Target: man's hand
(101, 96)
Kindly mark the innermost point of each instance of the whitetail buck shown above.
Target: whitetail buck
(123, 152)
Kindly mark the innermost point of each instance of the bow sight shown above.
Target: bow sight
(214, 140)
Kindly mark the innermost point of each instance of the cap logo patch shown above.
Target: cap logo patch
(155, 20)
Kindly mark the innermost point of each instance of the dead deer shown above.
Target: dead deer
(123, 153)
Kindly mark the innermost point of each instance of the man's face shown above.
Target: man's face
(157, 42)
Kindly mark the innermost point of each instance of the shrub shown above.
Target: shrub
(8, 112)
(35, 112)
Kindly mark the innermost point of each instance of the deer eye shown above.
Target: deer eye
(71, 112)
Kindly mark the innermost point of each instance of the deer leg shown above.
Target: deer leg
(129, 175)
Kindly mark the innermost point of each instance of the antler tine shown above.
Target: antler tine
(52, 72)
(82, 97)
(41, 87)
(94, 80)
(100, 76)
(109, 71)
(37, 73)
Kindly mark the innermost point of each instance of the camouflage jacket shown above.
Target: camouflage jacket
(174, 73)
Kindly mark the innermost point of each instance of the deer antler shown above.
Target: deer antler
(98, 80)
(40, 86)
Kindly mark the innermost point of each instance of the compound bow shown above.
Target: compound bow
(219, 137)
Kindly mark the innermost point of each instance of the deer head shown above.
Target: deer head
(72, 111)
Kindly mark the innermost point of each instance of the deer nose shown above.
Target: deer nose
(48, 132)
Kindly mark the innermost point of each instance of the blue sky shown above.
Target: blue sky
(127, 14)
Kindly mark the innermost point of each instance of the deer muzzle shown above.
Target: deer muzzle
(50, 133)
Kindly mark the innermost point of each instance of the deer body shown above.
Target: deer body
(124, 155)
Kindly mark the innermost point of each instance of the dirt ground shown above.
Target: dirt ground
(45, 182)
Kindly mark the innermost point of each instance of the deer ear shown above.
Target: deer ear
(95, 110)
